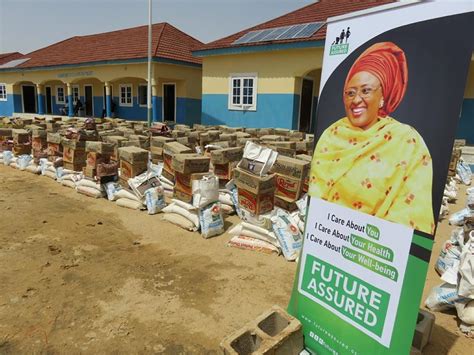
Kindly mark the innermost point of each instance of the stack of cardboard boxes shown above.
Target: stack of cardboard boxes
(21, 142)
(6, 142)
(186, 169)
(117, 142)
(170, 149)
(39, 144)
(74, 154)
(98, 160)
(133, 162)
(224, 162)
(54, 147)
(255, 193)
(156, 147)
(457, 151)
(290, 177)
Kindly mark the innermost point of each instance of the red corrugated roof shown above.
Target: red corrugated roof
(317, 12)
(167, 42)
(7, 57)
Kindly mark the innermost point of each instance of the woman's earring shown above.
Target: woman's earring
(381, 103)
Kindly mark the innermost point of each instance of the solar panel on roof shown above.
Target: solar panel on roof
(275, 33)
(292, 31)
(304, 30)
(261, 35)
(309, 30)
(246, 37)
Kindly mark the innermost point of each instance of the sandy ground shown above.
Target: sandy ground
(80, 275)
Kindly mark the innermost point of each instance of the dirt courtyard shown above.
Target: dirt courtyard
(80, 275)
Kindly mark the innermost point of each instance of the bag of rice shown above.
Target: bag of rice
(111, 189)
(211, 220)
(89, 191)
(7, 157)
(288, 234)
(249, 243)
(126, 202)
(123, 193)
(442, 297)
(155, 199)
(205, 191)
(23, 161)
(179, 220)
(179, 207)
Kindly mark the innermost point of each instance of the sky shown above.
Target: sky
(27, 25)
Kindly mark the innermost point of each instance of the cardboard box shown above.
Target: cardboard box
(160, 141)
(169, 150)
(54, 149)
(107, 169)
(73, 144)
(94, 158)
(73, 166)
(172, 148)
(20, 136)
(39, 133)
(182, 196)
(256, 203)
(190, 163)
(294, 168)
(133, 155)
(39, 143)
(100, 147)
(53, 138)
(183, 182)
(71, 155)
(304, 157)
(281, 144)
(20, 149)
(177, 134)
(271, 138)
(129, 170)
(89, 172)
(286, 205)
(228, 137)
(287, 188)
(168, 175)
(253, 183)
(226, 155)
(6, 132)
(225, 171)
(303, 146)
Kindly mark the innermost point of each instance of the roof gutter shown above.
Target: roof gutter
(258, 48)
(104, 62)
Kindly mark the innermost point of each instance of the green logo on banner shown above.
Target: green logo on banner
(356, 299)
(337, 49)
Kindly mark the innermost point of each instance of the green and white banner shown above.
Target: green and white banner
(392, 86)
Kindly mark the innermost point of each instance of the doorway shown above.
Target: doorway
(169, 102)
(49, 100)
(306, 105)
(88, 97)
(29, 98)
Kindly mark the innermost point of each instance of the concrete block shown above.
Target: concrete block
(274, 332)
(423, 330)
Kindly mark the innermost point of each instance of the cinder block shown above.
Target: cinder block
(423, 330)
(274, 332)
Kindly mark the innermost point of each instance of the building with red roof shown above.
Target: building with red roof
(107, 67)
(268, 75)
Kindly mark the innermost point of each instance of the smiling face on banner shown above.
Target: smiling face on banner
(363, 99)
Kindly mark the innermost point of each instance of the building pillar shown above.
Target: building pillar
(108, 101)
(40, 96)
(154, 101)
(69, 100)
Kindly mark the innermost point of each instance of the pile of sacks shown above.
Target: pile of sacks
(455, 264)
(252, 191)
(204, 213)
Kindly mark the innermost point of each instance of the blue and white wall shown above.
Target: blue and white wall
(278, 77)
